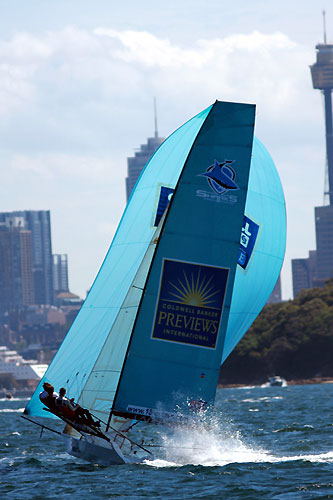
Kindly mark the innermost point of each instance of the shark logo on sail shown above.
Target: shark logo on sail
(190, 303)
(221, 179)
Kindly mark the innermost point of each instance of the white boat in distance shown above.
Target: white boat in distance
(277, 381)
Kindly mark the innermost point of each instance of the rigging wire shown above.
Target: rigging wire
(173, 447)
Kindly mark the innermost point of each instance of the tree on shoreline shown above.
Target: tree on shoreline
(292, 339)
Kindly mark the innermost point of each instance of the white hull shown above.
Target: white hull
(97, 451)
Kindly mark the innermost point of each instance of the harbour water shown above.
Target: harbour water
(266, 443)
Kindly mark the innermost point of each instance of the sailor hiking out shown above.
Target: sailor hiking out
(48, 396)
(64, 407)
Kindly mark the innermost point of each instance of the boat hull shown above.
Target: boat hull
(95, 452)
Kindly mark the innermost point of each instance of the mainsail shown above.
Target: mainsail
(177, 342)
(176, 293)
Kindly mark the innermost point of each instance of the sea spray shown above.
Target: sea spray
(213, 443)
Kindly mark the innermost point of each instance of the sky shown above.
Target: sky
(77, 84)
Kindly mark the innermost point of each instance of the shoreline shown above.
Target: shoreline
(303, 381)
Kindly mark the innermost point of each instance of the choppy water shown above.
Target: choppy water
(267, 443)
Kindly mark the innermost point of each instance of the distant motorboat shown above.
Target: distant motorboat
(277, 381)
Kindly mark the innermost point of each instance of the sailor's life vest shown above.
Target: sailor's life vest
(48, 400)
(62, 405)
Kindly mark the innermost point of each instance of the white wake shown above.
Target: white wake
(217, 446)
(203, 445)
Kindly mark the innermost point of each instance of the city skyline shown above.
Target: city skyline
(77, 97)
(30, 274)
(38, 224)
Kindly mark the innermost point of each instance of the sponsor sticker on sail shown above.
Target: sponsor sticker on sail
(247, 241)
(190, 303)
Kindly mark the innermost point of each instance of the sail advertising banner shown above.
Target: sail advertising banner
(190, 303)
(247, 241)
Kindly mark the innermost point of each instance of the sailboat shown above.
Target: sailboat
(194, 259)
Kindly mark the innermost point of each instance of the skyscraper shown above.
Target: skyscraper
(324, 239)
(16, 265)
(60, 273)
(38, 222)
(136, 163)
(304, 272)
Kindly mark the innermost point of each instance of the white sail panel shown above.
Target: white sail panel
(101, 386)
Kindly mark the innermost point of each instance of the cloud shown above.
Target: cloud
(147, 49)
(74, 103)
(255, 64)
(74, 67)
(77, 90)
(54, 166)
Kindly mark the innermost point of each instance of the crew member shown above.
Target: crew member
(48, 396)
(73, 411)
(64, 405)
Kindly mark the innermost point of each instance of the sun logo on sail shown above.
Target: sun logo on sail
(194, 291)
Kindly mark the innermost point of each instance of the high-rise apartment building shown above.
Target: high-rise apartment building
(39, 224)
(324, 240)
(304, 272)
(300, 273)
(16, 266)
(60, 273)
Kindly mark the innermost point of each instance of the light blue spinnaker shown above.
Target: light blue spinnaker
(264, 204)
